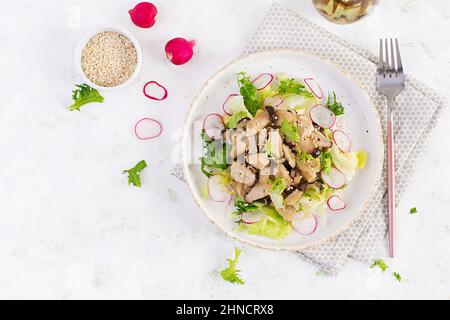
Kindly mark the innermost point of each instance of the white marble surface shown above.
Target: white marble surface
(71, 227)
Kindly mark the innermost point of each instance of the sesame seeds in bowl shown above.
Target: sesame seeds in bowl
(108, 57)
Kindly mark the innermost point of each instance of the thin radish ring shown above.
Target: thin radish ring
(150, 137)
(223, 105)
(152, 97)
(262, 75)
(311, 89)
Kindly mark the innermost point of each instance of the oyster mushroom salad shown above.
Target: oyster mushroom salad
(278, 154)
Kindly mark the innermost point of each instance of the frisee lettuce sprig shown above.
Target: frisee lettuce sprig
(134, 177)
(252, 98)
(84, 94)
(231, 273)
(291, 86)
(334, 105)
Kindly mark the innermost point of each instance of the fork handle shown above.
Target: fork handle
(390, 173)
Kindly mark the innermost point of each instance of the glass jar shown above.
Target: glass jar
(344, 11)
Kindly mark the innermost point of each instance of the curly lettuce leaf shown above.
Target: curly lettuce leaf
(134, 177)
(347, 162)
(252, 99)
(334, 105)
(291, 86)
(289, 130)
(84, 94)
(243, 206)
(231, 273)
(325, 161)
(276, 192)
(272, 226)
(232, 121)
(315, 197)
(215, 154)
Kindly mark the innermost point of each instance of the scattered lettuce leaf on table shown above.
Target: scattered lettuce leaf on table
(84, 94)
(134, 177)
(231, 273)
(397, 276)
(380, 264)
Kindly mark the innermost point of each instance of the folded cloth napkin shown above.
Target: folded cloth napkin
(417, 109)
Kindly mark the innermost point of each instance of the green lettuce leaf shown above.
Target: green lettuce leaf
(276, 192)
(231, 273)
(289, 130)
(273, 225)
(291, 86)
(232, 121)
(334, 105)
(134, 177)
(215, 154)
(325, 161)
(84, 94)
(252, 99)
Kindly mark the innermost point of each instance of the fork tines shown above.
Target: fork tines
(389, 64)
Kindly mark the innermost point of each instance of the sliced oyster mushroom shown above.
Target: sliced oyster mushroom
(242, 123)
(282, 172)
(319, 140)
(289, 155)
(305, 145)
(242, 174)
(264, 174)
(260, 121)
(293, 198)
(305, 126)
(258, 160)
(240, 189)
(309, 169)
(259, 191)
(239, 144)
(284, 115)
(262, 138)
(252, 144)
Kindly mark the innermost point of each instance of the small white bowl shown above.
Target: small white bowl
(85, 39)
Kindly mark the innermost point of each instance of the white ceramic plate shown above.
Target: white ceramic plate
(361, 123)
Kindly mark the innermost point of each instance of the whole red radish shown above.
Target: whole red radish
(179, 50)
(143, 14)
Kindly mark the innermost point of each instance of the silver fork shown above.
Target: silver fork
(391, 81)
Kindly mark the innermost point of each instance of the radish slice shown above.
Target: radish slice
(305, 226)
(322, 116)
(314, 87)
(342, 140)
(335, 203)
(213, 125)
(262, 81)
(217, 191)
(147, 128)
(274, 101)
(252, 217)
(226, 104)
(335, 179)
(155, 91)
